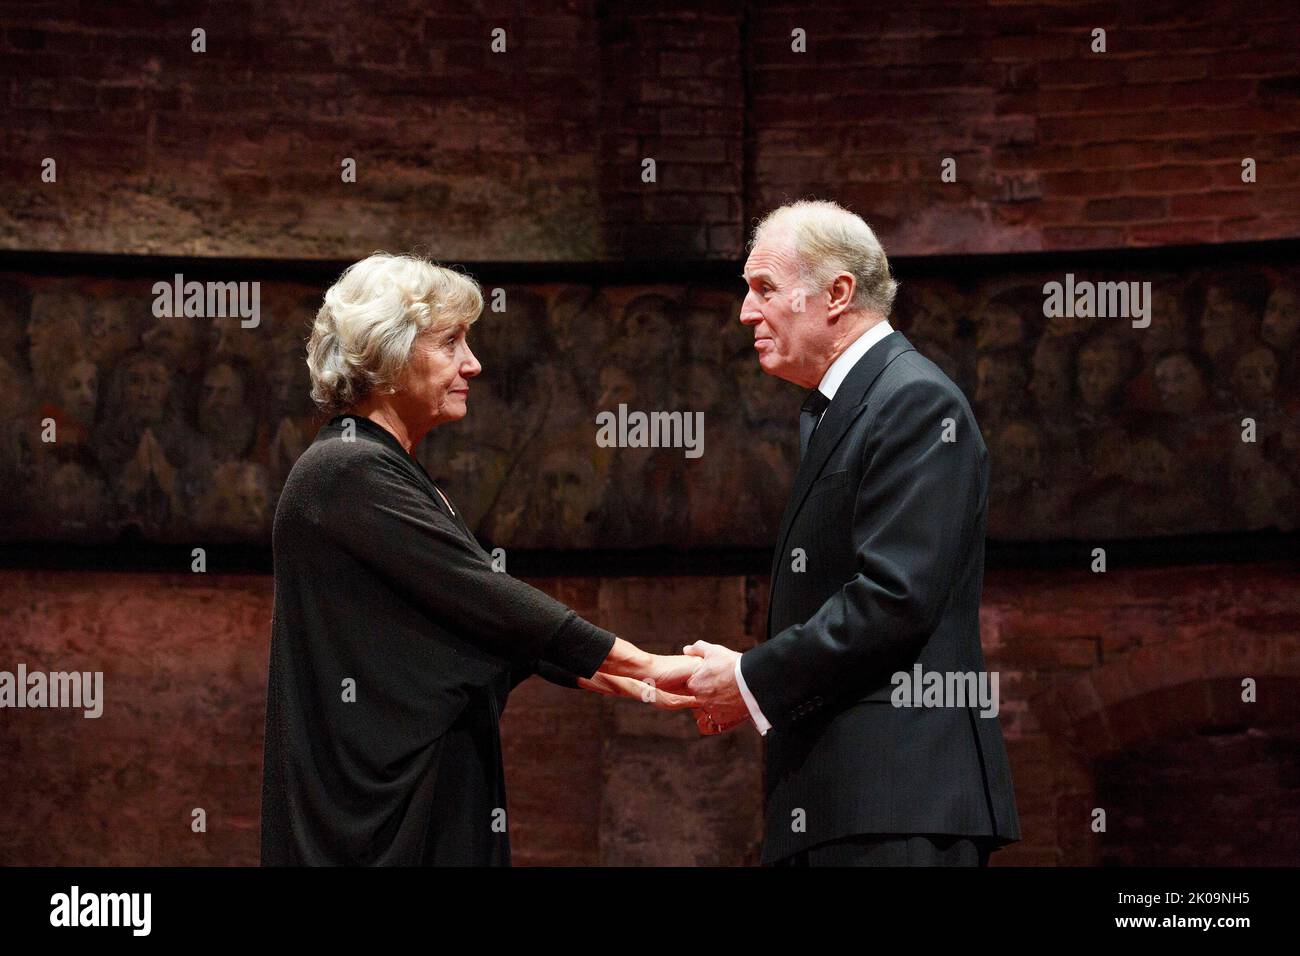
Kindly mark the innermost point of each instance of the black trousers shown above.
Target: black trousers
(895, 850)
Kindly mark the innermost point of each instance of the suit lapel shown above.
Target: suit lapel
(849, 402)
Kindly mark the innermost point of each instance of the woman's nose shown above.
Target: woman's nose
(471, 366)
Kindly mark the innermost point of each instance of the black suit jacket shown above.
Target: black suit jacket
(379, 583)
(891, 519)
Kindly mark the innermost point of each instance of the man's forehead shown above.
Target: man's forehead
(769, 255)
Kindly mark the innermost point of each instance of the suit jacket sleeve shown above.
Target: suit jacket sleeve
(914, 513)
(392, 525)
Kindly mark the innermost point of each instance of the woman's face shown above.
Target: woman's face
(436, 386)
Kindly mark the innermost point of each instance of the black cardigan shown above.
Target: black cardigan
(393, 647)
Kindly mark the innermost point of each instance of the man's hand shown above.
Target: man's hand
(720, 706)
(708, 726)
(670, 673)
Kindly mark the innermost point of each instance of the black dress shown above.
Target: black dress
(393, 647)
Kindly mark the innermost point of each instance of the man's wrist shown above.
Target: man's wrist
(761, 723)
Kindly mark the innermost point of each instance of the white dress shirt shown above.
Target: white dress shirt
(830, 384)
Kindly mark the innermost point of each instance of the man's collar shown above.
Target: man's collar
(841, 367)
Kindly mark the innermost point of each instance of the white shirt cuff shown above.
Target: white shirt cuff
(755, 714)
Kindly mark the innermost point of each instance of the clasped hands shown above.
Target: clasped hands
(702, 678)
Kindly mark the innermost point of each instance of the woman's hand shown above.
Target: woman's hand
(666, 672)
(616, 686)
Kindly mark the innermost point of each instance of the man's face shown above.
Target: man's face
(787, 317)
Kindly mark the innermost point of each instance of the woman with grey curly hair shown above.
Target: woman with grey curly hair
(394, 642)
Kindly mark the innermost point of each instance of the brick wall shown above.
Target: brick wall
(1056, 147)
(536, 153)
(1099, 674)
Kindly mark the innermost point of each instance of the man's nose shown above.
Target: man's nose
(748, 314)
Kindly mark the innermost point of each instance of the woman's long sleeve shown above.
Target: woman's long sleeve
(391, 524)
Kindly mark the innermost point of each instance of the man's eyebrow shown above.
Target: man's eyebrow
(760, 274)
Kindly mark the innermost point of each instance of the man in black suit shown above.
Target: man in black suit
(878, 568)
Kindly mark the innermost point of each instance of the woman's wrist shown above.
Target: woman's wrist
(625, 659)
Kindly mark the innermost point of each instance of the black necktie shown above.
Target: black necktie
(809, 415)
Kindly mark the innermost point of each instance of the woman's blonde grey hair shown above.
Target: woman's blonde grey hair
(828, 239)
(361, 339)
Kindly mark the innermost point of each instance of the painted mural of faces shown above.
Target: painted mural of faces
(649, 330)
(1222, 321)
(709, 330)
(56, 328)
(1254, 376)
(1102, 372)
(236, 500)
(76, 497)
(146, 388)
(288, 384)
(765, 401)
(579, 321)
(1152, 465)
(699, 388)
(114, 330)
(13, 312)
(221, 400)
(569, 492)
(1019, 451)
(510, 343)
(617, 386)
(1281, 320)
(227, 340)
(1168, 329)
(176, 339)
(933, 313)
(1179, 384)
(1000, 381)
(998, 327)
(1052, 375)
(79, 391)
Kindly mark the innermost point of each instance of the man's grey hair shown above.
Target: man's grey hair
(828, 239)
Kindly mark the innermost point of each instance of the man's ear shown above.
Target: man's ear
(841, 294)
